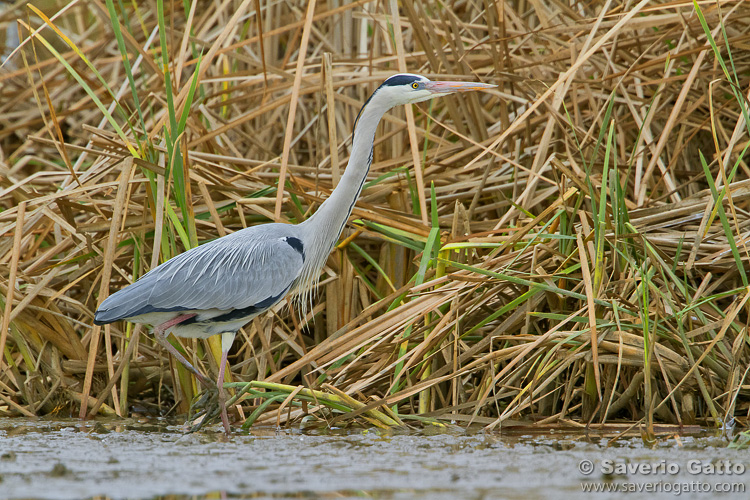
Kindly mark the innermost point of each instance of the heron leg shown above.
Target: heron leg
(226, 343)
(160, 334)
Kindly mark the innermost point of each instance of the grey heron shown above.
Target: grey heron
(218, 287)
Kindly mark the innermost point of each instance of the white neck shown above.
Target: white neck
(321, 231)
(336, 209)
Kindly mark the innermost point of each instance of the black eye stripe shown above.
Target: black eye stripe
(400, 80)
(393, 81)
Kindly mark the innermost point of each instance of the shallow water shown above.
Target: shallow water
(73, 460)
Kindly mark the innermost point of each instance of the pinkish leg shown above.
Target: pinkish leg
(226, 343)
(160, 334)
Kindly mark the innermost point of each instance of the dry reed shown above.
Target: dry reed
(569, 249)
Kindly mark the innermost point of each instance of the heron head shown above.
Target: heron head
(406, 88)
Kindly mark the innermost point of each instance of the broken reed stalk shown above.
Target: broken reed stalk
(579, 257)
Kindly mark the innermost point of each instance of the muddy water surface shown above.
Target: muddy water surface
(118, 460)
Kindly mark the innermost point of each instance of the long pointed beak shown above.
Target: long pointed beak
(451, 87)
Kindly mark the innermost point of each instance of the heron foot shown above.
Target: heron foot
(204, 408)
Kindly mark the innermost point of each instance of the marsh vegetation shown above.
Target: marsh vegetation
(567, 250)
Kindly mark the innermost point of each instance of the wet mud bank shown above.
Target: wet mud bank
(74, 460)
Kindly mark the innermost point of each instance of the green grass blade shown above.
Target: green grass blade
(91, 93)
(126, 61)
(724, 221)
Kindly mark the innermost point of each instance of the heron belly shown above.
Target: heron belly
(213, 321)
(205, 323)
(155, 318)
(202, 329)
(201, 326)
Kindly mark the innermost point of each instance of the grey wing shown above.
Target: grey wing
(235, 272)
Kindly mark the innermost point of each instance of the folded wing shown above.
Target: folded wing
(234, 272)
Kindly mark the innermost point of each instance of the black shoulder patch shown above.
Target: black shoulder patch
(296, 243)
(400, 80)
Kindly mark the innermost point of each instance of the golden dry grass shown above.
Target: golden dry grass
(569, 205)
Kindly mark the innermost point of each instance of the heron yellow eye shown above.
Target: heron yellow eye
(415, 85)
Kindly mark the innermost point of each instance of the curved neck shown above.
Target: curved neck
(326, 224)
(321, 231)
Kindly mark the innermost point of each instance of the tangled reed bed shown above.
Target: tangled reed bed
(600, 193)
